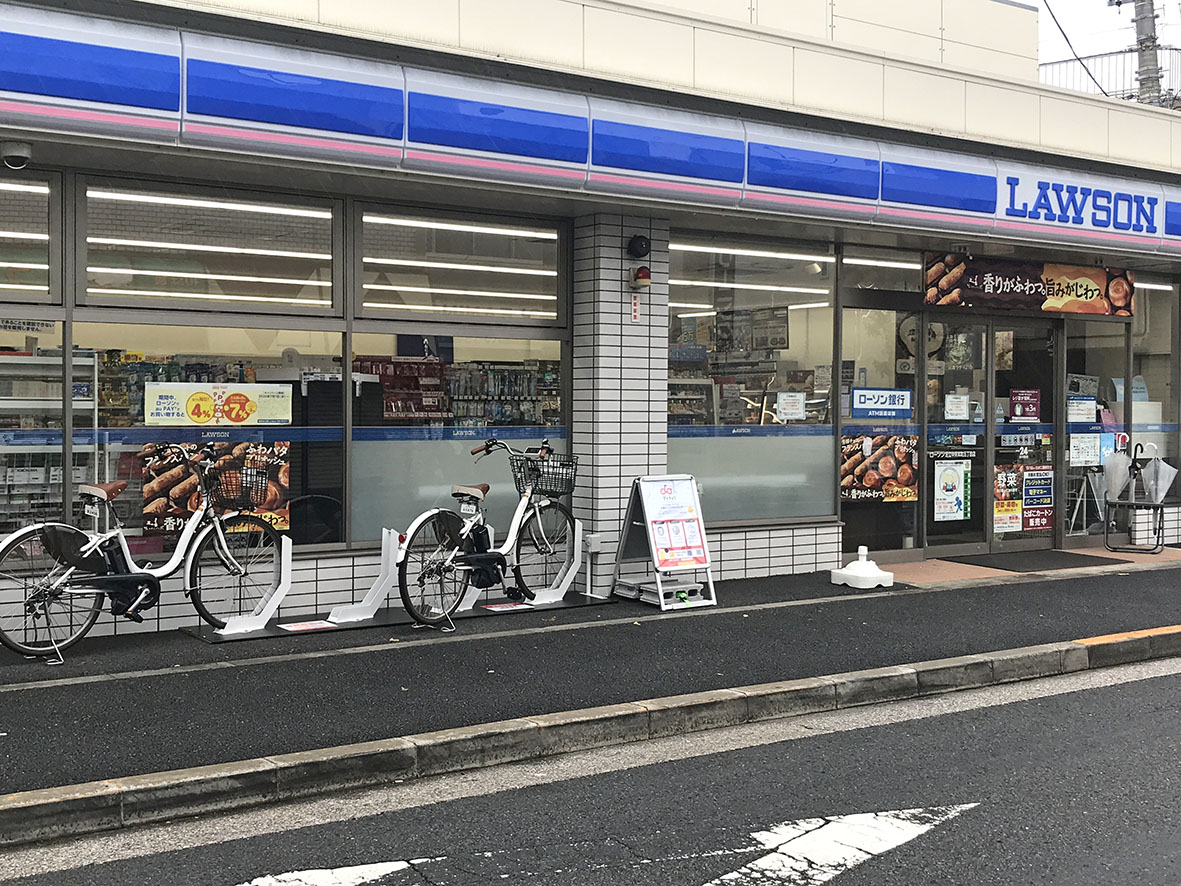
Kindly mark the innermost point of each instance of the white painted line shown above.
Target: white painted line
(814, 850)
(354, 876)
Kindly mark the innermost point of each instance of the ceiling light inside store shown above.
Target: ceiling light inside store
(878, 263)
(477, 292)
(154, 293)
(457, 266)
(755, 287)
(687, 304)
(500, 312)
(815, 304)
(700, 314)
(23, 287)
(1163, 287)
(193, 203)
(22, 235)
(453, 226)
(757, 253)
(24, 189)
(23, 266)
(199, 247)
(233, 278)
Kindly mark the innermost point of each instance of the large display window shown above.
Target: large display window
(422, 401)
(24, 241)
(750, 375)
(270, 399)
(1155, 366)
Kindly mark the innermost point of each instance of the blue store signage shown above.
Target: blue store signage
(881, 403)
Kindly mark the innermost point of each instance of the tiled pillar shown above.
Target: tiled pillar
(620, 422)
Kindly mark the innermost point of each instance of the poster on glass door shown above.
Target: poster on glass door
(953, 496)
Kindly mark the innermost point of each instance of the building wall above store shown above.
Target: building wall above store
(963, 68)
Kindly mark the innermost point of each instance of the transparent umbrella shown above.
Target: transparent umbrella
(1158, 477)
(1118, 469)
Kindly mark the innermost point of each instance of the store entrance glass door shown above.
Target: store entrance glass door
(1023, 436)
(990, 435)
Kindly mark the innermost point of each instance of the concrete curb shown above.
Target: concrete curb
(122, 802)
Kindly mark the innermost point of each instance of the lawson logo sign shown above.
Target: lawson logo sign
(1067, 203)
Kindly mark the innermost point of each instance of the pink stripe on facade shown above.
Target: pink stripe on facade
(1075, 232)
(936, 216)
(810, 202)
(498, 165)
(665, 186)
(89, 116)
(299, 141)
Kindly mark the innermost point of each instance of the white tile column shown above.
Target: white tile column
(620, 374)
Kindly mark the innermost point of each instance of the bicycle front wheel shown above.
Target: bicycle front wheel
(432, 587)
(545, 547)
(220, 589)
(37, 617)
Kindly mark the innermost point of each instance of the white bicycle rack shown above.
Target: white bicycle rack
(386, 583)
(266, 608)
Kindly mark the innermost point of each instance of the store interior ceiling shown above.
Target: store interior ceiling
(312, 179)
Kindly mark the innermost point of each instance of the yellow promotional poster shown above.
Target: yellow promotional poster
(177, 404)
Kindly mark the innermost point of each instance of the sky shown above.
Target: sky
(1095, 27)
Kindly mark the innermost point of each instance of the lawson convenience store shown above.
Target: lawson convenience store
(843, 329)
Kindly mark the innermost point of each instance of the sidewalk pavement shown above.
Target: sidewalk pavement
(130, 706)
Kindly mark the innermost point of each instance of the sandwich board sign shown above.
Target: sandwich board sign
(664, 527)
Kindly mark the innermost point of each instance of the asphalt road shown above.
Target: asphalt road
(218, 708)
(1063, 781)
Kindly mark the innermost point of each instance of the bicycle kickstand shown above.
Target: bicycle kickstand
(449, 628)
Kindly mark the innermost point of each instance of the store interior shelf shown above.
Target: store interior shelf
(40, 403)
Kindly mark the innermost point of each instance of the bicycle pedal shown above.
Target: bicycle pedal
(133, 616)
(514, 594)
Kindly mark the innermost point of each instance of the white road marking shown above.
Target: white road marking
(354, 876)
(814, 850)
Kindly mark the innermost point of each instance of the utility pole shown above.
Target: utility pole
(1148, 72)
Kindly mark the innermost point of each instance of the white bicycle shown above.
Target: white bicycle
(53, 576)
(447, 553)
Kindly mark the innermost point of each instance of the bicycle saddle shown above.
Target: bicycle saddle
(103, 491)
(477, 490)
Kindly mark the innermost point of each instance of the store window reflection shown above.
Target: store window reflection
(269, 399)
(1154, 322)
(193, 252)
(24, 241)
(879, 473)
(421, 402)
(31, 467)
(893, 270)
(750, 374)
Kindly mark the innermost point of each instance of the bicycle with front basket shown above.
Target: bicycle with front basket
(446, 554)
(54, 577)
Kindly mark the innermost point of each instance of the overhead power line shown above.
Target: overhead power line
(1070, 45)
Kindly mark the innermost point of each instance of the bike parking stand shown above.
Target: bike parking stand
(266, 608)
(381, 588)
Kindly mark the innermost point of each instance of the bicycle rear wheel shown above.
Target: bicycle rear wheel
(431, 587)
(217, 592)
(36, 619)
(544, 551)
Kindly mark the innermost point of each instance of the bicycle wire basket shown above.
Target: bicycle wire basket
(552, 475)
(239, 489)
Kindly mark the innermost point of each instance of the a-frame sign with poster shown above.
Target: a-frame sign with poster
(664, 528)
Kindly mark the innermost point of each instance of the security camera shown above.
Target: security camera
(16, 155)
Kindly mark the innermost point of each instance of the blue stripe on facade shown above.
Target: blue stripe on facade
(66, 69)
(250, 434)
(1173, 218)
(861, 430)
(478, 435)
(221, 90)
(928, 186)
(502, 129)
(731, 431)
(815, 171)
(668, 151)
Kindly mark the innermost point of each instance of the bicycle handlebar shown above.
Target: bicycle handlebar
(492, 444)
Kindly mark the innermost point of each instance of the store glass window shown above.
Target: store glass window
(880, 475)
(1154, 323)
(198, 252)
(24, 241)
(887, 269)
(448, 268)
(1096, 366)
(750, 375)
(31, 401)
(422, 402)
(270, 400)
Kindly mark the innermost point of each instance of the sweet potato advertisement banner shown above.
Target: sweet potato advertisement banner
(956, 280)
(880, 468)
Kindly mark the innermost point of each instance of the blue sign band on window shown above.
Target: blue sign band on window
(881, 403)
